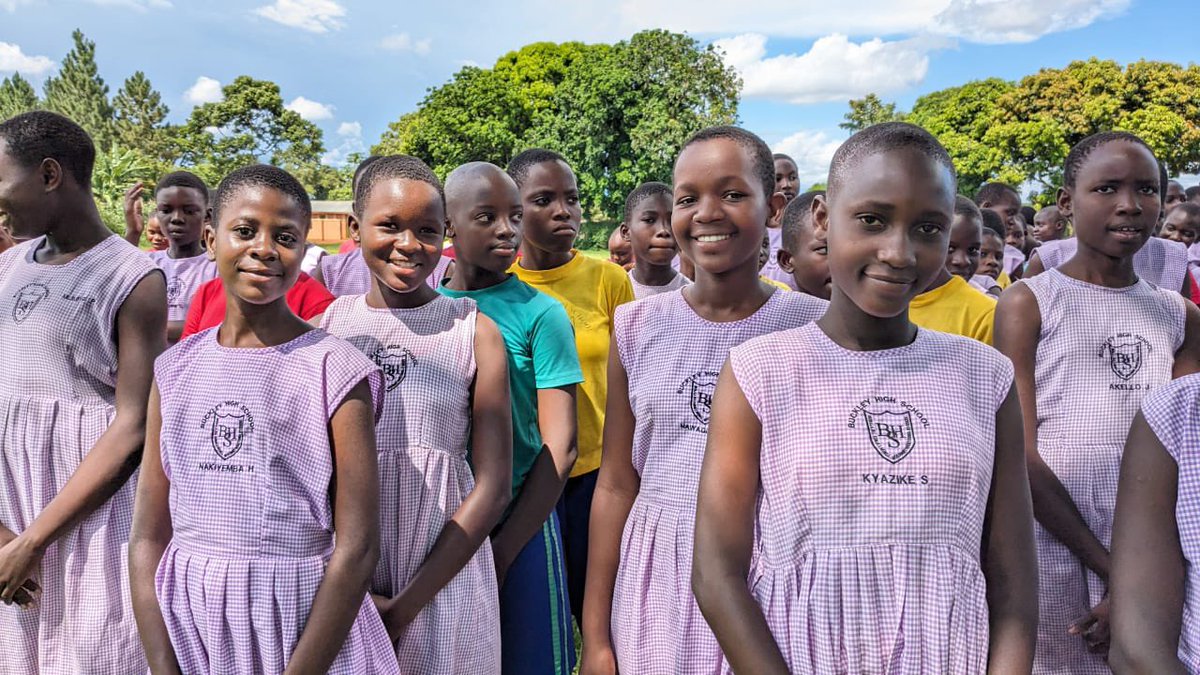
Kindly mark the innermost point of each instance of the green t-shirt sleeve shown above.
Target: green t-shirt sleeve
(555, 361)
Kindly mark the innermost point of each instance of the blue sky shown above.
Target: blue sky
(352, 66)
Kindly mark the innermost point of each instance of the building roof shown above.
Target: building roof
(339, 207)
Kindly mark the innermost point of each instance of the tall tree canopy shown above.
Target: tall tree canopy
(617, 112)
(16, 96)
(79, 92)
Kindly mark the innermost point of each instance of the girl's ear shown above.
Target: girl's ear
(353, 224)
(449, 230)
(820, 217)
(209, 236)
(777, 202)
(624, 231)
(1064, 203)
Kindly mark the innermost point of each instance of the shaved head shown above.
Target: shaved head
(465, 176)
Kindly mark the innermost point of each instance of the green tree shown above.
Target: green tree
(867, 111)
(16, 96)
(960, 118)
(79, 92)
(116, 169)
(139, 121)
(618, 112)
(250, 125)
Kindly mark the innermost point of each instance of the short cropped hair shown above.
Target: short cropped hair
(1081, 150)
(963, 206)
(796, 215)
(882, 138)
(39, 135)
(994, 192)
(761, 158)
(648, 189)
(404, 167)
(519, 166)
(182, 179)
(261, 175)
(992, 221)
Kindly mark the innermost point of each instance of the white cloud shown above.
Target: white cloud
(403, 42)
(136, 5)
(310, 110)
(1008, 21)
(12, 5)
(834, 69)
(314, 16)
(352, 142)
(813, 151)
(206, 90)
(12, 59)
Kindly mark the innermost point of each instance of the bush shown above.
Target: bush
(593, 235)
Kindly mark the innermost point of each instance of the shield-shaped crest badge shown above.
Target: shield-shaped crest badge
(28, 298)
(174, 289)
(1125, 359)
(228, 432)
(393, 361)
(891, 434)
(700, 388)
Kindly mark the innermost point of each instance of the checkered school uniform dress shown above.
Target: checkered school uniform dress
(57, 395)
(245, 444)
(1173, 413)
(1161, 262)
(427, 355)
(983, 283)
(348, 274)
(772, 270)
(184, 276)
(1099, 351)
(641, 291)
(672, 357)
(875, 473)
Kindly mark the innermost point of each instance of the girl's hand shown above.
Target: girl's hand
(19, 561)
(400, 612)
(1094, 628)
(598, 660)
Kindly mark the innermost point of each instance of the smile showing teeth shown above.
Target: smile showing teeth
(710, 238)
(406, 265)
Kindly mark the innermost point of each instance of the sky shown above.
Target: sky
(353, 66)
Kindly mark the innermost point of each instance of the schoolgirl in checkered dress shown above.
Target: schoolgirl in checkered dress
(862, 508)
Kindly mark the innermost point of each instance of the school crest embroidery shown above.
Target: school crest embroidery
(173, 290)
(891, 434)
(28, 298)
(1125, 353)
(229, 423)
(393, 361)
(699, 389)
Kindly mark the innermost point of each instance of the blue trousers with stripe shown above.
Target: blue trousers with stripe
(536, 636)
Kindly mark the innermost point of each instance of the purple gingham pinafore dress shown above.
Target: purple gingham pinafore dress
(184, 276)
(1173, 413)
(246, 446)
(875, 472)
(427, 355)
(672, 357)
(1099, 352)
(57, 396)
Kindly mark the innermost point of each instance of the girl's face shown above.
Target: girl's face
(183, 212)
(401, 232)
(22, 189)
(649, 230)
(991, 255)
(809, 264)
(888, 228)
(787, 178)
(550, 198)
(258, 244)
(486, 222)
(966, 240)
(154, 234)
(1181, 227)
(720, 213)
(1114, 203)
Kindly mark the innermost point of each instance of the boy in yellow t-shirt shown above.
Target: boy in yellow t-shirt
(590, 290)
(950, 304)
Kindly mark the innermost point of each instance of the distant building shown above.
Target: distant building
(330, 222)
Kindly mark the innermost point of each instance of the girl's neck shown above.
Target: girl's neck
(851, 328)
(1096, 268)
(177, 251)
(381, 296)
(647, 274)
(729, 296)
(536, 259)
(251, 326)
(468, 277)
(75, 231)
